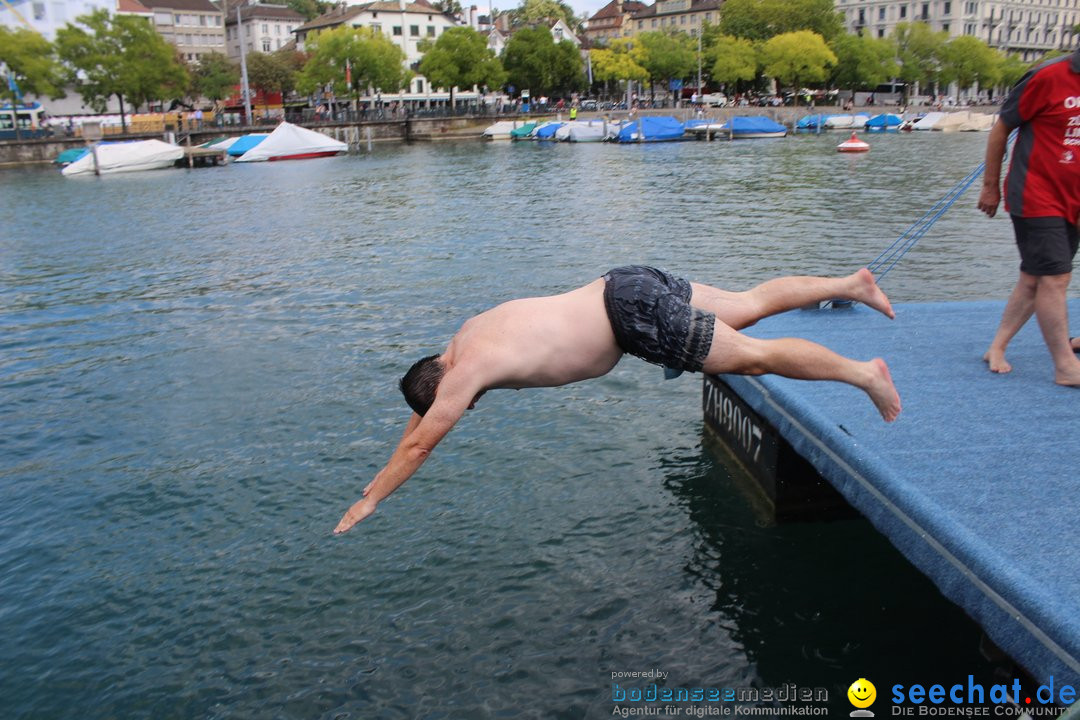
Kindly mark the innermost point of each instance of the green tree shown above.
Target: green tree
(665, 56)
(376, 62)
(29, 61)
(535, 12)
(461, 58)
(797, 57)
(534, 61)
(120, 55)
(731, 59)
(967, 60)
(919, 50)
(448, 7)
(271, 73)
(215, 76)
(1012, 68)
(615, 63)
(862, 61)
(762, 19)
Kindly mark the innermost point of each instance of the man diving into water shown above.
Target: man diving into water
(582, 334)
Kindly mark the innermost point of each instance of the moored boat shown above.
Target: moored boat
(883, 122)
(748, 128)
(124, 157)
(651, 128)
(292, 142)
(242, 144)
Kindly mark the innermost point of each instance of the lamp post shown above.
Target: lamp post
(243, 67)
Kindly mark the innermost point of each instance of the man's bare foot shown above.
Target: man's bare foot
(866, 291)
(996, 360)
(881, 390)
(1075, 343)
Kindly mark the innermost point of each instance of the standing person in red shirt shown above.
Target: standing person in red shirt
(1042, 195)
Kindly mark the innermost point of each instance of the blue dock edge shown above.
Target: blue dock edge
(977, 483)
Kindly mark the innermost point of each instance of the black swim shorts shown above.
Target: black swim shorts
(1047, 244)
(651, 315)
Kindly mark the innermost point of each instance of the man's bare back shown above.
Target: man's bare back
(561, 339)
(535, 342)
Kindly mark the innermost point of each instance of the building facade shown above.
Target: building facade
(261, 28)
(195, 27)
(1027, 27)
(407, 24)
(612, 21)
(48, 16)
(688, 16)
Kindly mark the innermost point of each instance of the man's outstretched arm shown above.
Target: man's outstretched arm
(421, 437)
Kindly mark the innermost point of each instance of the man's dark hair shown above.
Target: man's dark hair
(419, 384)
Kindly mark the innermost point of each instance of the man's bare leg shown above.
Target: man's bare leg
(1052, 312)
(733, 352)
(742, 309)
(1018, 311)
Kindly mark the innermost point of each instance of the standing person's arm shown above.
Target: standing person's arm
(990, 196)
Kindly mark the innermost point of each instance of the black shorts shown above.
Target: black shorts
(1047, 244)
(651, 315)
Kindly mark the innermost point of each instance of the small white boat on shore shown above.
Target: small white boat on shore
(500, 130)
(125, 157)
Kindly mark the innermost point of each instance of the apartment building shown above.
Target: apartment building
(689, 16)
(195, 27)
(612, 20)
(262, 28)
(1027, 27)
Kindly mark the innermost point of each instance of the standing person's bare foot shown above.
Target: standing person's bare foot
(1070, 376)
(866, 291)
(996, 360)
(1075, 343)
(880, 388)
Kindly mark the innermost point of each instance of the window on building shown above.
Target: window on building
(202, 20)
(414, 31)
(39, 11)
(944, 27)
(217, 21)
(176, 19)
(708, 17)
(881, 32)
(397, 30)
(682, 19)
(654, 22)
(946, 8)
(376, 27)
(431, 31)
(881, 14)
(903, 11)
(862, 16)
(266, 29)
(640, 24)
(266, 45)
(926, 11)
(277, 29)
(163, 18)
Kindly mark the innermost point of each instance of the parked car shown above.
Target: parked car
(589, 106)
(714, 99)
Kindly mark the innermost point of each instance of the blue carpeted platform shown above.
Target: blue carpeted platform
(977, 482)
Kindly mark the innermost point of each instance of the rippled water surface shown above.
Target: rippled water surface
(197, 377)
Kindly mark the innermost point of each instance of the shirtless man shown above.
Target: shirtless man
(582, 334)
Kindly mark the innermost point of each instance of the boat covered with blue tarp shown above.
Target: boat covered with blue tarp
(659, 128)
(547, 131)
(884, 121)
(755, 127)
(245, 143)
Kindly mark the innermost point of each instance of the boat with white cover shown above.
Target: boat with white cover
(124, 157)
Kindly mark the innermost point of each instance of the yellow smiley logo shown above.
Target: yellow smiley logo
(862, 693)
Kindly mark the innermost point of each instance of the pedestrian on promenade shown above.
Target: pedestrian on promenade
(1042, 196)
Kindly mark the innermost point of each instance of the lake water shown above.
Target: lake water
(197, 378)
